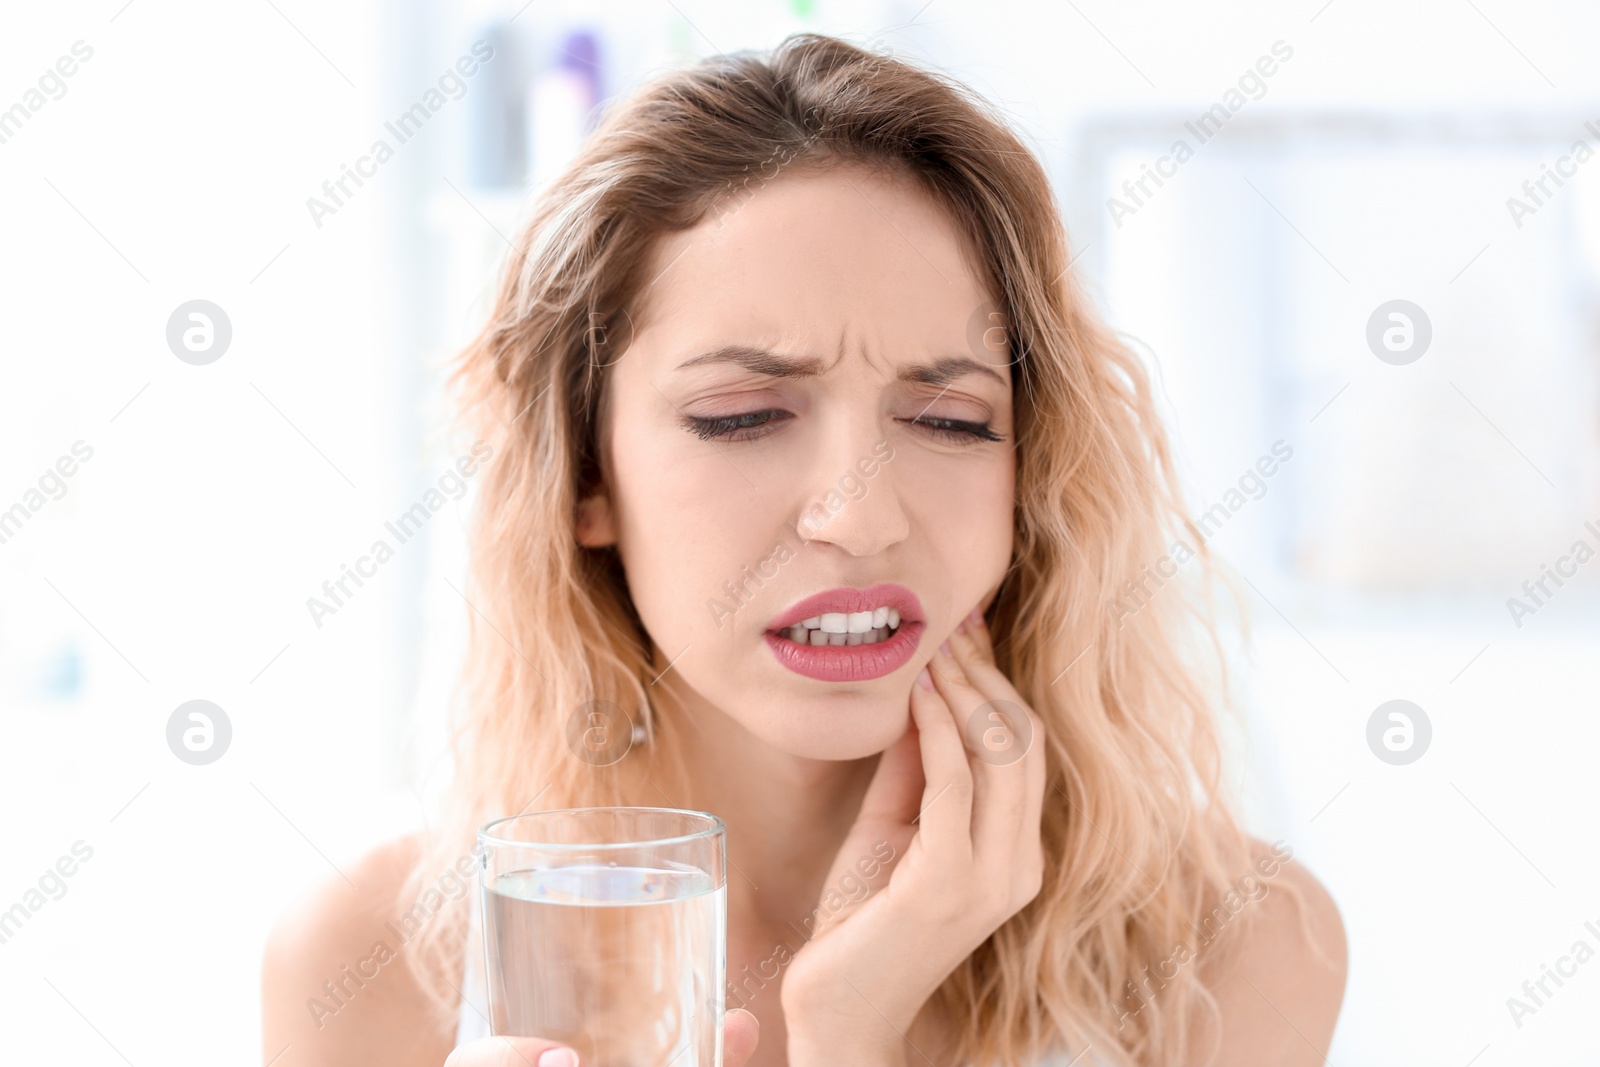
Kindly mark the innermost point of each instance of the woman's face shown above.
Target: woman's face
(834, 311)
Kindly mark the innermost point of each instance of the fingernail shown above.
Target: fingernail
(558, 1057)
(976, 618)
(944, 646)
(925, 679)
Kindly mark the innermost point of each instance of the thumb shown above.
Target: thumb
(740, 1032)
(892, 800)
(512, 1052)
(895, 792)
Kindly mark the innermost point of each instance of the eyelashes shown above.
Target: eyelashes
(723, 426)
(956, 431)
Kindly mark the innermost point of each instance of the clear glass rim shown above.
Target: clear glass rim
(486, 835)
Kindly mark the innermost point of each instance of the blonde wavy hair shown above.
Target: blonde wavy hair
(1138, 829)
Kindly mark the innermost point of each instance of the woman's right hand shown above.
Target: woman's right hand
(965, 826)
(740, 1031)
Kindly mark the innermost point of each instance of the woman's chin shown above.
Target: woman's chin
(864, 729)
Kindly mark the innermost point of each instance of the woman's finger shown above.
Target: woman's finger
(999, 791)
(945, 814)
(979, 630)
(1029, 729)
(884, 822)
(980, 666)
(505, 1052)
(996, 713)
(896, 782)
(1030, 734)
(1019, 725)
(740, 1033)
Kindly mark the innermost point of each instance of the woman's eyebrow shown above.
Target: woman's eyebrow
(763, 361)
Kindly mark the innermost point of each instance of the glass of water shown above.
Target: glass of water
(606, 929)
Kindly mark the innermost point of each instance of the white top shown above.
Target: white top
(473, 1019)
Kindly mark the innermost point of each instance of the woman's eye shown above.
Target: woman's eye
(728, 426)
(957, 430)
(725, 425)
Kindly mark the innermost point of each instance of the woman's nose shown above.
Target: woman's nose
(850, 499)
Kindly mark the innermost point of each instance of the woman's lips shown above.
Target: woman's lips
(849, 599)
(848, 663)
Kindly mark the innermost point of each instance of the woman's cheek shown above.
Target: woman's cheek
(967, 495)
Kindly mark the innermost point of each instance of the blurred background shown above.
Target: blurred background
(1358, 238)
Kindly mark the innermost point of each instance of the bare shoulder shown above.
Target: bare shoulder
(335, 989)
(1280, 984)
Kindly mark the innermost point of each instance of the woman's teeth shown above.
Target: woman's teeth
(839, 628)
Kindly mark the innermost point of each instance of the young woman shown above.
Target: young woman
(793, 342)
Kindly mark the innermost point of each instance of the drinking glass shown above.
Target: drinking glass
(606, 929)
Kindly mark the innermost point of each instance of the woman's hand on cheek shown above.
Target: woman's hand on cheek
(964, 826)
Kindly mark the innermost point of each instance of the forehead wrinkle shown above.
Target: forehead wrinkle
(763, 361)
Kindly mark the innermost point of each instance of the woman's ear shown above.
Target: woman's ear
(594, 527)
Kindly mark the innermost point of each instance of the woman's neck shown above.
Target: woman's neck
(786, 815)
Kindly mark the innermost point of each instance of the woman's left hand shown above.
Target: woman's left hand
(959, 799)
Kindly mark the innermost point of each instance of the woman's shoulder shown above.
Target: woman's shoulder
(1279, 986)
(335, 989)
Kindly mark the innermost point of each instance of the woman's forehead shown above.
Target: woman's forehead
(826, 260)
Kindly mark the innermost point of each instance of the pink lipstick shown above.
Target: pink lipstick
(848, 634)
